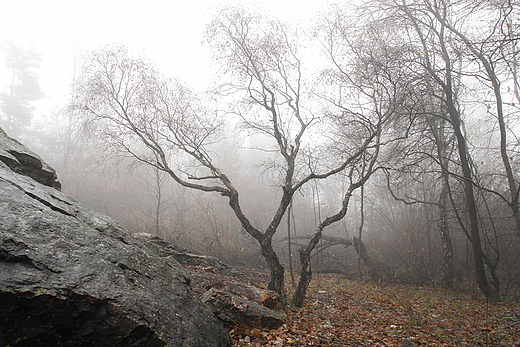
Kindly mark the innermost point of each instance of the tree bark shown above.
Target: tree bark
(490, 69)
(450, 98)
(289, 248)
(276, 269)
(447, 274)
(482, 282)
(360, 234)
(305, 253)
(442, 146)
(306, 271)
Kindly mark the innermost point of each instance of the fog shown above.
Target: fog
(368, 131)
(168, 33)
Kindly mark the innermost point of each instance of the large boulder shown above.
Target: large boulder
(72, 277)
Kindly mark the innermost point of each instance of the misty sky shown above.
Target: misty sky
(167, 32)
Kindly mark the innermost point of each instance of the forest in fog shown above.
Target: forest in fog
(380, 140)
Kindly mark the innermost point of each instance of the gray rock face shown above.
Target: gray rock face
(25, 162)
(72, 277)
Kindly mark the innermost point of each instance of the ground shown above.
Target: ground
(340, 312)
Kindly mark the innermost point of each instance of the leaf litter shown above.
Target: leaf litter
(339, 312)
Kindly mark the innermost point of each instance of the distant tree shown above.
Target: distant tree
(425, 159)
(438, 52)
(494, 47)
(22, 89)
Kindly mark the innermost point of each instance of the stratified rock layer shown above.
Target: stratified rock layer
(72, 277)
(25, 162)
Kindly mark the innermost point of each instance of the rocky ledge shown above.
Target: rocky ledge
(72, 277)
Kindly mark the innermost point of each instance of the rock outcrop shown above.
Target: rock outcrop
(72, 277)
(232, 295)
(207, 272)
(234, 310)
(25, 162)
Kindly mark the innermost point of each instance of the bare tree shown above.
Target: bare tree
(268, 75)
(305, 252)
(159, 122)
(427, 152)
(263, 56)
(371, 97)
(494, 48)
(426, 25)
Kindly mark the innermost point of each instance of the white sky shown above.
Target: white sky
(169, 32)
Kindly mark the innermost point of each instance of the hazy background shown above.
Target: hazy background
(169, 33)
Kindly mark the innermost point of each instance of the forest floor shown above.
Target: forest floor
(340, 312)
